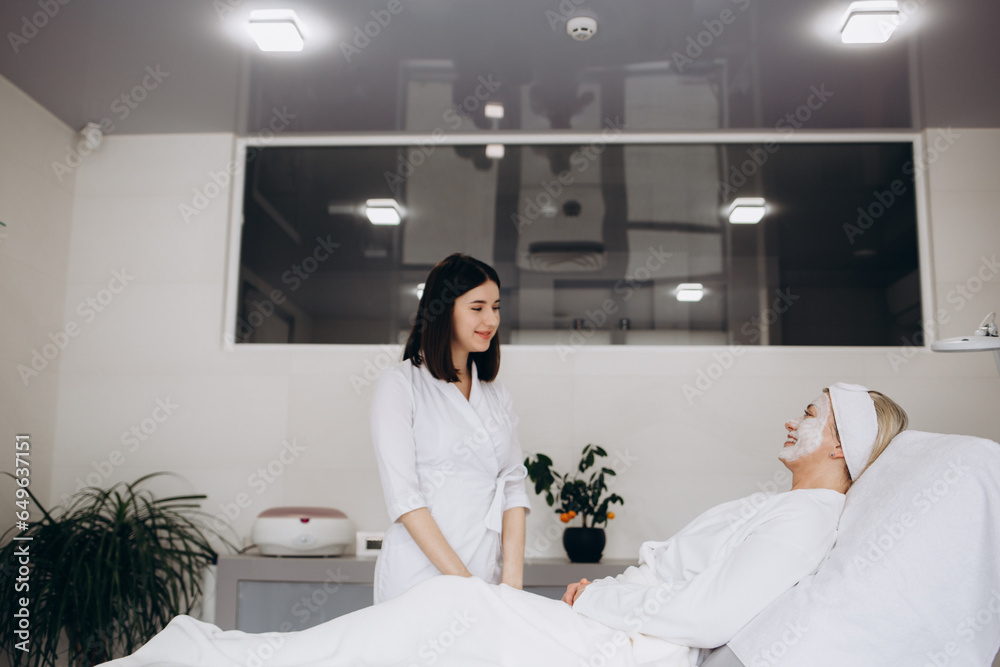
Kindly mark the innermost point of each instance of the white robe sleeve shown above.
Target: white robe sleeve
(515, 493)
(395, 447)
(715, 604)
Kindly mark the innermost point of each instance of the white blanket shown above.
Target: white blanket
(444, 621)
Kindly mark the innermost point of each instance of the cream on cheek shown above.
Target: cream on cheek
(808, 433)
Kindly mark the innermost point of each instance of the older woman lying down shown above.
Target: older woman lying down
(689, 593)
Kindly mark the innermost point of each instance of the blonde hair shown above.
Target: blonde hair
(892, 420)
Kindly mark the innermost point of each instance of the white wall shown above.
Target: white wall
(36, 208)
(159, 340)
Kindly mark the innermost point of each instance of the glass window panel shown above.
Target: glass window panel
(591, 242)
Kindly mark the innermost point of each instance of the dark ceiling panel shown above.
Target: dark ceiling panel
(80, 59)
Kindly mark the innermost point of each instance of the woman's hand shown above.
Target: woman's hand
(426, 533)
(573, 591)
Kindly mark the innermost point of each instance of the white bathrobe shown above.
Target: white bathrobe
(459, 458)
(698, 588)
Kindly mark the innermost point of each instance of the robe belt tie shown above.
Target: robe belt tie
(494, 518)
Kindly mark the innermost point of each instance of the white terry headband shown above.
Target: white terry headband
(854, 413)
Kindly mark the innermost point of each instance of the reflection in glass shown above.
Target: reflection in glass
(601, 243)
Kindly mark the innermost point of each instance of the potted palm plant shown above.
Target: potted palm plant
(580, 496)
(102, 574)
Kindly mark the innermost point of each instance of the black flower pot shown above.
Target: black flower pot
(584, 545)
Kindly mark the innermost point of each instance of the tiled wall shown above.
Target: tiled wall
(225, 418)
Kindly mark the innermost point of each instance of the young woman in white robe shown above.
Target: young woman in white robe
(445, 437)
(687, 594)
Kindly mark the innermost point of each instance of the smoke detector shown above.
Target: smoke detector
(581, 28)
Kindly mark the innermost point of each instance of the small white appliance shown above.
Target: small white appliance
(302, 531)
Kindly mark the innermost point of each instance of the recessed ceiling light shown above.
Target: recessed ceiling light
(493, 110)
(870, 22)
(382, 211)
(747, 210)
(494, 151)
(690, 292)
(276, 30)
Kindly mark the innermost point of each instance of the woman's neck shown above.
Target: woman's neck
(822, 479)
(460, 359)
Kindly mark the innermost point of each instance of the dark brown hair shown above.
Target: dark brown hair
(430, 338)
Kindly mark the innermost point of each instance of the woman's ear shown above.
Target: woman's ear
(837, 453)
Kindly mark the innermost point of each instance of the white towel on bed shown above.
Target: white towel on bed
(914, 578)
(443, 621)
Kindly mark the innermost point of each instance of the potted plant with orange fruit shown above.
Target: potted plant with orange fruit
(579, 496)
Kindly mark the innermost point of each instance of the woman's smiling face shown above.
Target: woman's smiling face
(814, 430)
(476, 318)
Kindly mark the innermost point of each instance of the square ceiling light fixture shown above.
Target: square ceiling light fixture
(690, 292)
(383, 211)
(747, 210)
(493, 110)
(495, 151)
(276, 30)
(870, 22)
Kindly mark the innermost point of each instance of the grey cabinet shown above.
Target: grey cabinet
(263, 594)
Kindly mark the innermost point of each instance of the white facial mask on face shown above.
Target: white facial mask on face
(808, 432)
